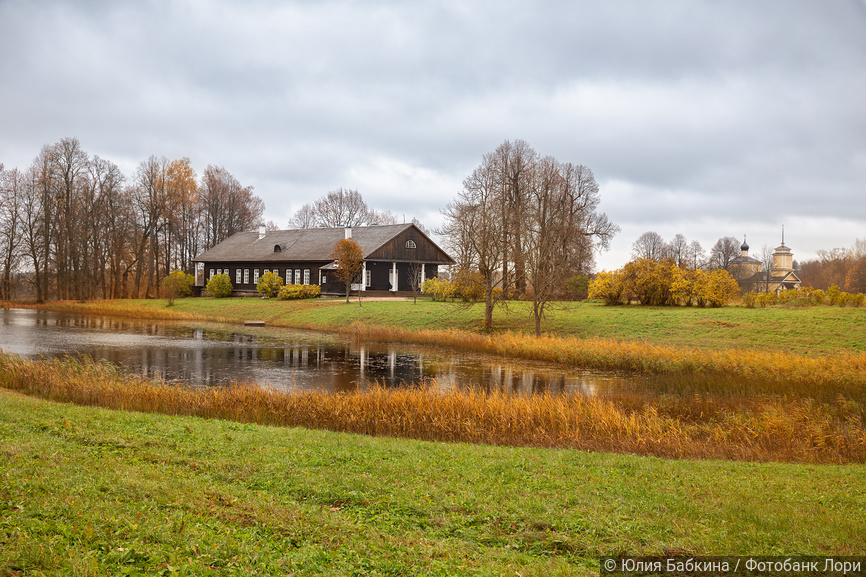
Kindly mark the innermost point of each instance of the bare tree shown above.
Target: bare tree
(478, 210)
(723, 252)
(341, 208)
(305, 217)
(150, 202)
(560, 216)
(695, 256)
(456, 233)
(677, 249)
(514, 163)
(338, 208)
(415, 269)
(70, 164)
(650, 245)
(228, 207)
(43, 200)
(519, 218)
(766, 266)
(381, 217)
(834, 265)
(11, 193)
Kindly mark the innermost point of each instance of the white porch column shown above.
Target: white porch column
(423, 272)
(394, 277)
(364, 276)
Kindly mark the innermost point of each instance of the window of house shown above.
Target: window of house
(255, 276)
(368, 278)
(306, 276)
(297, 276)
(211, 273)
(267, 270)
(288, 276)
(324, 279)
(410, 244)
(237, 276)
(246, 276)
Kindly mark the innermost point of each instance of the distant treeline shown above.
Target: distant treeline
(73, 226)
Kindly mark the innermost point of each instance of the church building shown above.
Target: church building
(748, 274)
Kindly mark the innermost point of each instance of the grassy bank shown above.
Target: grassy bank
(85, 491)
(755, 427)
(800, 348)
(807, 330)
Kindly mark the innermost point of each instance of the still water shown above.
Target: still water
(207, 354)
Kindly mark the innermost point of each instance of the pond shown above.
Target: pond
(210, 354)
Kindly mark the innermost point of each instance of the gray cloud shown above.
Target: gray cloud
(709, 119)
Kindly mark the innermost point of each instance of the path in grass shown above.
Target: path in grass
(97, 492)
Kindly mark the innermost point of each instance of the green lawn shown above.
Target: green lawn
(809, 330)
(87, 491)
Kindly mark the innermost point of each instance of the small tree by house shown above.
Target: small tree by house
(349, 260)
(269, 284)
(177, 284)
(220, 286)
(415, 276)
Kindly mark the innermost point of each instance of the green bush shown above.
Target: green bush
(269, 284)
(219, 286)
(299, 291)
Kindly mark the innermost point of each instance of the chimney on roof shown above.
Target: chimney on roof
(262, 231)
(348, 231)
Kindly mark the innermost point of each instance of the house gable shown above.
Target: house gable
(410, 245)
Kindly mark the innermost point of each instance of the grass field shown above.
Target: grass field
(806, 330)
(87, 491)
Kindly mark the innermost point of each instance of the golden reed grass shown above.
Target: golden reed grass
(844, 371)
(765, 429)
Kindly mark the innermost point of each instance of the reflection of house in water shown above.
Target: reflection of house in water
(203, 357)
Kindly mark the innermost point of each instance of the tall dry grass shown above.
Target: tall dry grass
(759, 428)
(845, 370)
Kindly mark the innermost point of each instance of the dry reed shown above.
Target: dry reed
(844, 369)
(761, 428)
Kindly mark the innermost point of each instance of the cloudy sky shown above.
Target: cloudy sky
(697, 117)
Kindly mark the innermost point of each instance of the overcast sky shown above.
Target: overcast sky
(704, 118)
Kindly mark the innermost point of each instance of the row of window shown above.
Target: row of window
(301, 276)
(298, 278)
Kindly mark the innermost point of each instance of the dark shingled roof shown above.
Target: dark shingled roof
(310, 244)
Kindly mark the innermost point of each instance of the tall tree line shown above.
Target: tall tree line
(526, 223)
(76, 227)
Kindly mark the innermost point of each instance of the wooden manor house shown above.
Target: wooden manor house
(393, 255)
